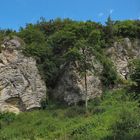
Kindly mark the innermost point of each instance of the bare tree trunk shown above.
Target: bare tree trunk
(86, 93)
(85, 76)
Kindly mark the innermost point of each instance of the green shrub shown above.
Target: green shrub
(74, 111)
(6, 119)
(134, 88)
(126, 126)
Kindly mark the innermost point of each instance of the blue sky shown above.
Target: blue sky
(16, 13)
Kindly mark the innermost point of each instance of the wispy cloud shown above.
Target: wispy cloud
(111, 11)
(100, 14)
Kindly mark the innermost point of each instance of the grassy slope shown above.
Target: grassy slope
(72, 124)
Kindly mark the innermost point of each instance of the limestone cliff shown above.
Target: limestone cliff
(70, 86)
(121, 53)
(21, 87)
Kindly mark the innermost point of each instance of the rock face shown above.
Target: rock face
(122, 53)
(21, 87)
(71, 85)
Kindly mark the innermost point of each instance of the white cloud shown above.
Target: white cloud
(111, 11)
(100, 14)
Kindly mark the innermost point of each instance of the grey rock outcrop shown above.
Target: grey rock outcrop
(71, 85)
(122, 53)
(21, 87)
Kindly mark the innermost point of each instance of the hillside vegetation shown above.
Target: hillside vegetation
(113, 116)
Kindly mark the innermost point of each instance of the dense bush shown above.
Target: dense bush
(128, 28)
(134, 88)
(109, 75)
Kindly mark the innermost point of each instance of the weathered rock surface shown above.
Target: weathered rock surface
(21, 87)
(71, 85)
(122, 53)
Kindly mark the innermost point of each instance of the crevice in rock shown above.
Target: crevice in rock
(16, 102)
